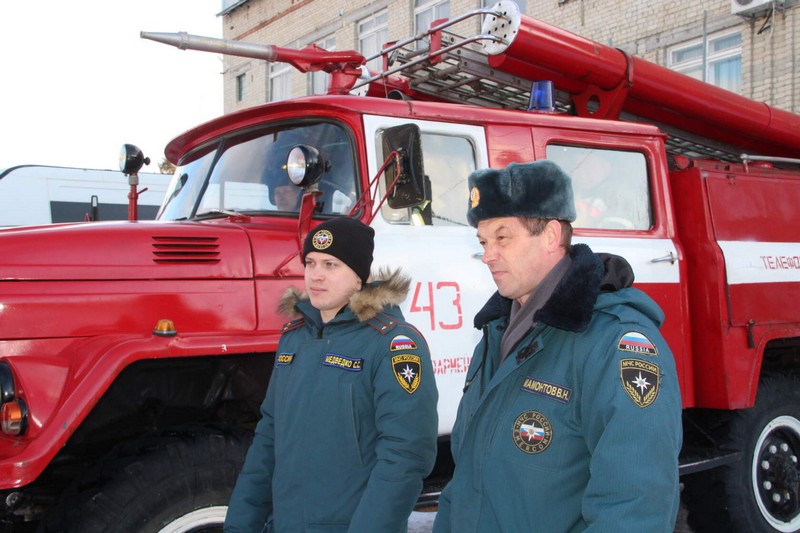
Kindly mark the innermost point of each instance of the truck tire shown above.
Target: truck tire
(175, 481)
(758, 493)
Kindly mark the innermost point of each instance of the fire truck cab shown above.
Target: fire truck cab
(136, 354)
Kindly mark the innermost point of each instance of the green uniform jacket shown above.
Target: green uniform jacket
(349, 424)
(580, 428)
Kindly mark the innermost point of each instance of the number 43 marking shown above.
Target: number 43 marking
(441, 287)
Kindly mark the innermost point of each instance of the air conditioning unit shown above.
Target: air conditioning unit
(753, 7)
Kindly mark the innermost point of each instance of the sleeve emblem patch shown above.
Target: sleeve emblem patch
(408, 371)
(635, 342)
(401, 342)
(532, 432)
(641, 380)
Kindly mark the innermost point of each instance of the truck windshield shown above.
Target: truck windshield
(246, 173)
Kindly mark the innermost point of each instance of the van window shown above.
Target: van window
(448, 162)
(610, 186)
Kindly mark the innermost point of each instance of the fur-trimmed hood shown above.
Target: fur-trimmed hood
(384, 289)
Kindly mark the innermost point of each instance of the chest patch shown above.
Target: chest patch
(401, 342)
(407, 369)
(340, 361)
(284, 359)
(641, 380)
(532, 432)
(548, 390)
(635, 342)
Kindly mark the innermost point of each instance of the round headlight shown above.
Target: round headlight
(131, 159)
(304, 165)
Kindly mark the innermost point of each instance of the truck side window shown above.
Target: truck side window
(610, 186)
(448, 162)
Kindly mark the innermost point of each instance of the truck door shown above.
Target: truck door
(438, 249)
(622, 204)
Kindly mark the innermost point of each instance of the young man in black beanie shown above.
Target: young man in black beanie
(571, 414)
(349, 424)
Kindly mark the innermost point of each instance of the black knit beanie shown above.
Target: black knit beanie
(347, 239)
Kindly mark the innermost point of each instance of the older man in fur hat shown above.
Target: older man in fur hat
(571, 414)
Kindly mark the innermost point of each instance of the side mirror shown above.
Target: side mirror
(409, 190)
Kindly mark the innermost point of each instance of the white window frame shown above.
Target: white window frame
(371, 40)
(711, 57)
(280, 81)
(434, 8)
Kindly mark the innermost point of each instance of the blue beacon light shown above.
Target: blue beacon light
(543, 98)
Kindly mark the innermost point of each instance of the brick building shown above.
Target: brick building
(751, 47)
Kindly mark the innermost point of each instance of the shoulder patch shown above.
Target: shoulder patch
(402, 342)
(294, 324)
(640, 380)
(636, 342)
(407, 370)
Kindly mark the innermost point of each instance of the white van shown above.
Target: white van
(39, 194)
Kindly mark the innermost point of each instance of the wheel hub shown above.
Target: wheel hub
(777, 480)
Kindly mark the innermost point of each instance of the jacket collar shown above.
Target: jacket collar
(570, 306)
(385, 289)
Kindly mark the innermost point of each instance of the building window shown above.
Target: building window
(373, 32)
(280, 87)
(723, 60)
(319, 79)
(240, 87)
(426, 11)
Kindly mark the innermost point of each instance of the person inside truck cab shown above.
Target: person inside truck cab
(605, 197)
(349, 424)
(286, 196)
(571, 413)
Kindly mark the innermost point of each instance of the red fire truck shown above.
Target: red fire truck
(134, 355)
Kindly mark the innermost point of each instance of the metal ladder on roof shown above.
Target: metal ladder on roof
(449, 67)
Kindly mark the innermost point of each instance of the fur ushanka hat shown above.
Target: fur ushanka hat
(540, 189)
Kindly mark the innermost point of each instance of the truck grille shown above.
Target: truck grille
(185, 249)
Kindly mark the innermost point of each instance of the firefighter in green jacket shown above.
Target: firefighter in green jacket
(349, 424)
(571, 416)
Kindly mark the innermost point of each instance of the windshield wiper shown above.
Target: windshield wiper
(217, 213)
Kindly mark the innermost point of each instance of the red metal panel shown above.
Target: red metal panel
(126, 250)
(759, 206)
(105, 307)
(94, 364)
(508, 144)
